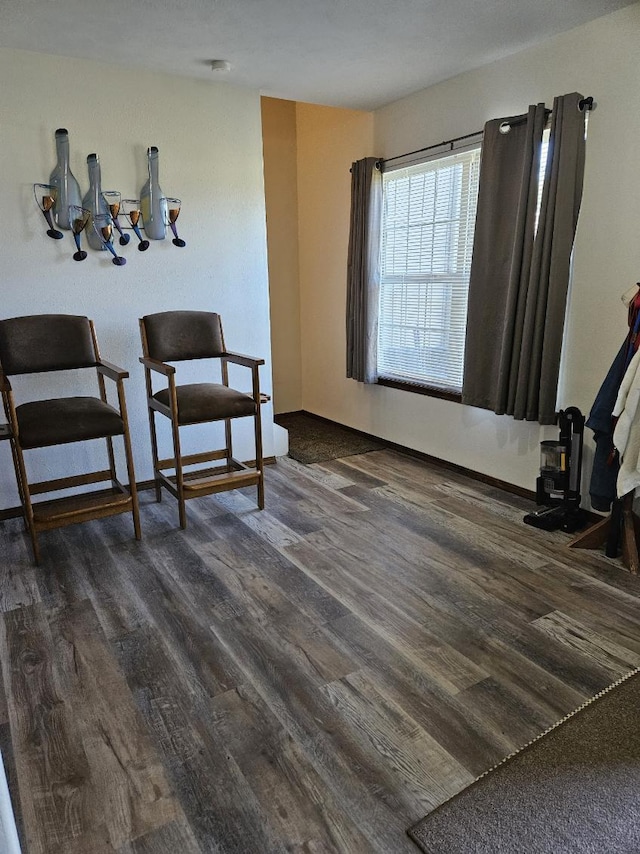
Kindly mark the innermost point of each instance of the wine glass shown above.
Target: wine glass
(103, 227)
(112, 198)
(45, 196)
(78, 219)
(172, 212)
(131, 209)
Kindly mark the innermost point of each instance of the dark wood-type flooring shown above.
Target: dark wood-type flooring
(312, 678)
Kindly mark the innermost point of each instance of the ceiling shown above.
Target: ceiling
(348, 53)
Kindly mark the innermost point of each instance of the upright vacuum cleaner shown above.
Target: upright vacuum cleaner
(558, 485)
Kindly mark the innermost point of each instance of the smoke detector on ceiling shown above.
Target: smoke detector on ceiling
(220, 66)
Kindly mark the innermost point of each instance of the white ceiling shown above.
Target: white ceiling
(349, 53)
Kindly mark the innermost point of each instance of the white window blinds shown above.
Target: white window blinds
(427, 240)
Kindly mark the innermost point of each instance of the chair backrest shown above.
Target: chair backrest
(46, 342)
(175, 336)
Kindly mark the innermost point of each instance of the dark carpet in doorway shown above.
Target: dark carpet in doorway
(574, 790)
(313, 440)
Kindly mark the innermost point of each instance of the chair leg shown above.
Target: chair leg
(9, 411)
(35, 545)
(112, 460)
(154, 453)
(259, 459)
(27, 507)
(182, 510)
(133, 489)
(19, 483)
(228, 438)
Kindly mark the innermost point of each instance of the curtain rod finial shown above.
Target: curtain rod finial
(586, 104)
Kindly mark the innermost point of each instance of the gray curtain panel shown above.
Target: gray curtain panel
(363, 270)
(518, 285)
(502, 254)
(549, 281)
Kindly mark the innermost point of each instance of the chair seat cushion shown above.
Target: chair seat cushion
(67, 419)
(200, 402)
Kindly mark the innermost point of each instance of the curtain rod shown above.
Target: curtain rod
(583, 105)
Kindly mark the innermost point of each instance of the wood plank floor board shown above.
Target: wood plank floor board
(456, 595)
(612, 656)
(430, 481)
(420, 563)
(203, 663)
(180, 553)
(308, 678)
(503, 513)
(428, 774)
(420, 542)
(131, 792)
(464, 529)
(433, 535)
(173, 838)
(318, 495)
(88, 567)
(60, 586)
(390, 466)
(510, 708)
(395, 622)
(272, 609)
(353, 474)
(301, 805)
(586, 564)
(264, 604)
(470, 739)
(351, 769)
(52, 768)
(266, 525)
(235, 546)
(566, 589)
(19, 587)
(217, 801)
(322, 475)
(502, 661)
(400, 628)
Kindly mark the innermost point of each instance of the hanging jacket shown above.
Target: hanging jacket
(602, 488)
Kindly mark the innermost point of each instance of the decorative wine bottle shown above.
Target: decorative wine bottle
(94, 201)
(68, 190)
(152, 203)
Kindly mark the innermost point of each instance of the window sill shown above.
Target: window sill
(417, 388)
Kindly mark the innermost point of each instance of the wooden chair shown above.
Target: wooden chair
(178, 336)
(58, 342)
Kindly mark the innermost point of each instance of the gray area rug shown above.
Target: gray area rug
(312, 440)
(574, 790)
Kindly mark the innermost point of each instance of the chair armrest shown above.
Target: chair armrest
(112, 371)
(239, 359)
(155, 365)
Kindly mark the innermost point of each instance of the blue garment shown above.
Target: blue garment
(604, 475)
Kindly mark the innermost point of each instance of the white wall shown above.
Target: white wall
(597, 59)
(209, 138)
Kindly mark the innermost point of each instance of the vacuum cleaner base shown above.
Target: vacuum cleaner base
(568, 519)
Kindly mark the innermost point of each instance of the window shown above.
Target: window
(427, 239)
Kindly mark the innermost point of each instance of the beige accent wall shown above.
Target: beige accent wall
(281, 195)
(596, 59)
(329, 140)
